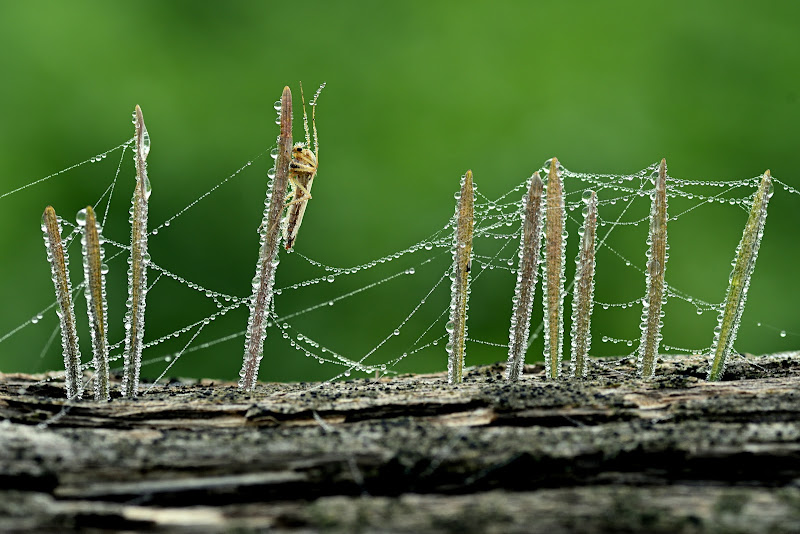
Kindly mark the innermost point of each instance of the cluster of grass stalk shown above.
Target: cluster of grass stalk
(94, 271)
(542, 248)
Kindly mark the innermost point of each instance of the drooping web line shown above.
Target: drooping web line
(497, 231)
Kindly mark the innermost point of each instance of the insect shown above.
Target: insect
(302, 170)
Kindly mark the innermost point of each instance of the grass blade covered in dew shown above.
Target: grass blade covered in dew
(59, 269)
(583, 292)
(746, 254)
(95, 289)
(270, 232)
(529, 258)
(553, 278)
(459, 289)
(137, 271)
(656, 267)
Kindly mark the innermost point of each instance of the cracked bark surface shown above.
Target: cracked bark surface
(412, 454)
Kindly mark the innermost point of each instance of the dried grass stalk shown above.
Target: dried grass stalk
(656, 268)
(59, 271)
(583, 291)
(555, 239)
(529, 259)
(137, 272)
(268, 253)
(95, 290)
(459, 289)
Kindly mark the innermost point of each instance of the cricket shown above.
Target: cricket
(302, 170)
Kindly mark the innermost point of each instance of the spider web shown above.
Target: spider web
(408, 334)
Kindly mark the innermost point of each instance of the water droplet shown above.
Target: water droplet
(277, 105)
(783, 333)
(330, 278)
(80, 217)
(271, 173)
(103, 269)
(148, 189)
(274, 153)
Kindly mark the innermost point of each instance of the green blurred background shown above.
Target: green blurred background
(417, 93)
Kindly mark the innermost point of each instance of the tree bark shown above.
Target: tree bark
(412, 454)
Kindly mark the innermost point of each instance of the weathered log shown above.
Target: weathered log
(412, 454)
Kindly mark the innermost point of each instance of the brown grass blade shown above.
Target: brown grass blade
(59, 269)
(656, 268)
(529, 259)
(583, 290)
(553, 278)
(459, 289)
(268, 253)
(95, 290)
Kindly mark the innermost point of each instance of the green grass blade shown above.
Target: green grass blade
(739, 283)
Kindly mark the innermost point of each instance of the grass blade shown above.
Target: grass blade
(59, 269)
(656, 268)
(555, 239)
(137, 272)
(95, 290)
(583, 292)
(529, 259)
(746, 254)
(459, 289)
(268, 253)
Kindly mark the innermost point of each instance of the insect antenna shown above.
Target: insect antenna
(305, 117)
(314, 118)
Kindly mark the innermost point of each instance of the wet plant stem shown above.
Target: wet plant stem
(59, 267)
(656, 268)
(529, 259)
(746, 254)
(459, 289)
(268, 253)
(137, 272)
(553, 280)
(583, 292)
(95, 290)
